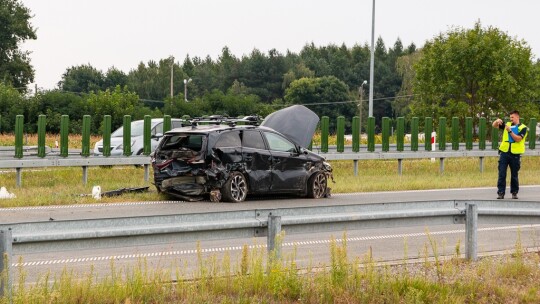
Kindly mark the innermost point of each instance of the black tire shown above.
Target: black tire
(235, 189)
(316, 186)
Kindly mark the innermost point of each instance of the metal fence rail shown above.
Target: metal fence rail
(76, 161)
(51, 236)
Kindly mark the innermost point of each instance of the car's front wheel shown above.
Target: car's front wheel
(235, 189)
(316, 187)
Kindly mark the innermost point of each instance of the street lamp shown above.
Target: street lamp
(372, 61)
(186, 81)
(360, 105)
(172, 75)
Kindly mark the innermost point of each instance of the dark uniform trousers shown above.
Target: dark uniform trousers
(507, 159)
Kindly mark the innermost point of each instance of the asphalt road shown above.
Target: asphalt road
(46, 213)
(391, 245)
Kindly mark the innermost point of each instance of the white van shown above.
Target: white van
(137, 131)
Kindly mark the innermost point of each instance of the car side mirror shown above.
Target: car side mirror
(157, 136)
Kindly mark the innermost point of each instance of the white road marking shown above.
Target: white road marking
(428, 190)
(90, 205)
(259, 246)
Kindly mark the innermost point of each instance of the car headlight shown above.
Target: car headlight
(327, 166)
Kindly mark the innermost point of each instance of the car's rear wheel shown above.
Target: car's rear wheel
(317, 184)
(235, 189)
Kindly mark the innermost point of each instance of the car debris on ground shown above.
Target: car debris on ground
(4, 194)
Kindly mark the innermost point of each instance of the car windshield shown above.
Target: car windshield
(137, 129)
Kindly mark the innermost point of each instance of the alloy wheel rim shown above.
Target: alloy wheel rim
(238, 188)
(319, 186)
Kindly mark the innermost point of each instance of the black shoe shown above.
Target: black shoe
(500, 195)
(514, 196)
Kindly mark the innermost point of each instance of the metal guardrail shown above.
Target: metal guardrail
(85, 162)
(75, 161)
(53, 236)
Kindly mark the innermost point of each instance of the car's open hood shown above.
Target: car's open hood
(296, 122)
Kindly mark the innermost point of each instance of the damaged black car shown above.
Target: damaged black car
(228, 162)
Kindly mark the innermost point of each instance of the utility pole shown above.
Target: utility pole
(172, 75)
(372, 61)
(186, 81)
(361, 103)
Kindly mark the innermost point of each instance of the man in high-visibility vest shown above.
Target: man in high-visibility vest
(510, 150)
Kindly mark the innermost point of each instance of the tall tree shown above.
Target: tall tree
(15, 28)
(474, 72)
(82, 79)
(326, 96)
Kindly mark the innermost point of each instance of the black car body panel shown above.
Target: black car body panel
(193, 162)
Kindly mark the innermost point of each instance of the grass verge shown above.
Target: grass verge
(255, 278)
(60, 186)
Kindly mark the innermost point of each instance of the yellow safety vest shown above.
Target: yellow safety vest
(516, 147)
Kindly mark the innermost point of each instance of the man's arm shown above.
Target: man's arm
(497, 123)
(517, 137)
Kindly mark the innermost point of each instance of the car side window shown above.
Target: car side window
(229, 139)
(158, 129)
(176, 124)
(279, 143)
(253, 139)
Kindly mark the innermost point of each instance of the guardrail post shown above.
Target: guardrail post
(64, 134)
(85, 175)
(532, 134)
(441, 165)
(468, 133)
(18, 177)
(127, 135)
(6, 249)
(147, 133)
(481, 164)
(371, 134)
(19, 125)
(399, 166)
(325, 123)
(167, 125)
(482, 133)
(428, 128)
(85, 152)
(442, 133)
(471, 229)
(274, 229)
(356, 134)
(107, 127)
(400, 134)
(340, 134)
(414, 134)
(41, 135)
(455, 133)
(385, 134)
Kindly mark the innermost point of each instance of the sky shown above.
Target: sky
(122, 33)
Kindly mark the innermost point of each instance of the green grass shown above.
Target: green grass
(59, 186)
(253, 277)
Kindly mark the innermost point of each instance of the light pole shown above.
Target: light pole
(360, 105)
(186, 81)
(172, 75)
(372, 61)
